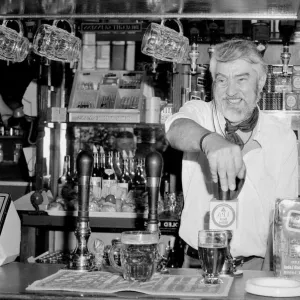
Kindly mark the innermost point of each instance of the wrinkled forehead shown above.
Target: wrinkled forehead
(234, 68)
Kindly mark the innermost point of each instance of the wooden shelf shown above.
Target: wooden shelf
(282, 112)
(168, 225)
(132, 125)
(11, 137)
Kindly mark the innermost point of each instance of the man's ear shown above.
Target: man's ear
(261, 82)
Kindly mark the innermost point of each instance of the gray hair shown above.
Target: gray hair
(237, 49)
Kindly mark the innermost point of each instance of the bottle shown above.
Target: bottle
(101, 164)
(65, 177)
(139, 179)
(152, 137)
(172, 195)
(95, 185)
(75, 178)
(95, 171)
(125, 179)
(173, 260)
(1, 153)
(109, 176)
(166, 196)
(17, 152)
(75, 181)
(69, 176)
(1, 128)
(118, 165)
(131, 164)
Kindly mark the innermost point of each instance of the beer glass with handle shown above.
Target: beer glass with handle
(212, 250)
(139, 255)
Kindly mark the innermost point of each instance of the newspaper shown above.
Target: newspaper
(108, 283)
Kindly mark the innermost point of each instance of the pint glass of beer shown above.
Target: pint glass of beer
(139, 255)
(212, 249)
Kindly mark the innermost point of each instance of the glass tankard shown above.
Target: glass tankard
(165, 43)
(139, 255)
(57, 44)
(13, 45)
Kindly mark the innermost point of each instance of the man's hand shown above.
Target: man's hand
(225, 160)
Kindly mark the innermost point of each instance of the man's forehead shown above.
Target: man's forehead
(235, 67)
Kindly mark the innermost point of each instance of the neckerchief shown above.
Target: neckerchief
(246, 126)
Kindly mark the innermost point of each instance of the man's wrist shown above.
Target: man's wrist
(202, 139)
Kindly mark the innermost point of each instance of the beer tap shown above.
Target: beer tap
(153, 168)
(286, 29)
(194, 53)
(154, 65)
(154, 68)
(285, 58)
(213, 32)
(261, 32)
(74, 66)
(81, 258)
(174, 68)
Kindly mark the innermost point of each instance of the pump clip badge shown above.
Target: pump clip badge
(223, 214)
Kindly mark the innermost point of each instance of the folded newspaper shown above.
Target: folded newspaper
(107, 283)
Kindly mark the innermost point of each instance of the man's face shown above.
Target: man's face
(236, 88)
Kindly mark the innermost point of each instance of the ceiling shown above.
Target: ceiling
(151, 9)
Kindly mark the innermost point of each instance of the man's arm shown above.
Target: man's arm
(185, 134)
(225, 159)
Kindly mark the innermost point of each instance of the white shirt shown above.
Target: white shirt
(272, 172)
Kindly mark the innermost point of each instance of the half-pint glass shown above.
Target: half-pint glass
(212, 250)
(139, 255)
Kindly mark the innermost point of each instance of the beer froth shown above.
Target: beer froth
(141, 239)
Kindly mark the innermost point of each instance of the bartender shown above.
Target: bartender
(230, 138)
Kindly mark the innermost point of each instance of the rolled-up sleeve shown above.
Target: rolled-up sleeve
(195, 110)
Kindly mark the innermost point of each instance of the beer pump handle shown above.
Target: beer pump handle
(153, 168)
(231, 195)
(81, 258)
(84, 166)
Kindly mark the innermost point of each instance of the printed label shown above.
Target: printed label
(293, 221)
(294, 249)
(108, 183)
(109, 171)
(96, 181)
(123, 185)
(111, 27)
(296, 68)
(291, 101)
(296, 82)
(170, 225)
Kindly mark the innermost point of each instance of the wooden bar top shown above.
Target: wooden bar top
(16, 277)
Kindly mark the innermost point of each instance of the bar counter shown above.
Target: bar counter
(15, 277)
